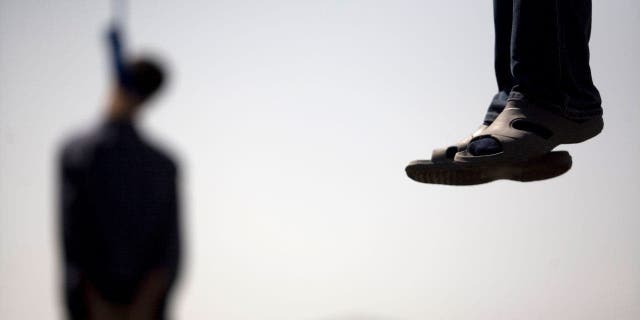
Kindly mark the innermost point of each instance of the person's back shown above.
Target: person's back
(120, 223)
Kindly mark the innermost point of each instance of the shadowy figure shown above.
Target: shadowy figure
(119, 211)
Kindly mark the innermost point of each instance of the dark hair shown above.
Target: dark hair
(145, 77)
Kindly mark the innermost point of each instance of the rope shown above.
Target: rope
(115, 39)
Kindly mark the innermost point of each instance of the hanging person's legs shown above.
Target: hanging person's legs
(502, 14)
(502, 21)
(583, 99)
(503, 24)
(546, 48)
(441, 169)
(554, 100)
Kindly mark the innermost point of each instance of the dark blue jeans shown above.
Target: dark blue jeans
(542, 54)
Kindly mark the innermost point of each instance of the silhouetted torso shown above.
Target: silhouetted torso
(119, 215)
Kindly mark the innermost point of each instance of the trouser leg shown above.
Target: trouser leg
(503, 21)
(583, 98)
(550, 55)
(535, 51)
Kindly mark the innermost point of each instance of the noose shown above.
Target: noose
(115, 38)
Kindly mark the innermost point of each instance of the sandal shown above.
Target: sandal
(548, 166)
(448, 154)
(524, 131)
(525, 135)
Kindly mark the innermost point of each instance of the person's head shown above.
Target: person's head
(145, 77)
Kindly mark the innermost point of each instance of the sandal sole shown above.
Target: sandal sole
(548, 166)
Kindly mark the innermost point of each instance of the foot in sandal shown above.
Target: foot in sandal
(447, 154)
(516, 146)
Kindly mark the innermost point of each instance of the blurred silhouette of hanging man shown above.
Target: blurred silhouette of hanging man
(119, 209)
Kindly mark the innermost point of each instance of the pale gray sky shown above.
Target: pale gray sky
(294, 121)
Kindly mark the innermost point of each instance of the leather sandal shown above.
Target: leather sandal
(526, 135)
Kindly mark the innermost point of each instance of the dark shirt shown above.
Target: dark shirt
(119, 213)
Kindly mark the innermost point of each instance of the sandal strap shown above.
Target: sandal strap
(448, 154)
(444, 154)
(526, 130)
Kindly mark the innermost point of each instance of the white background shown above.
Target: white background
(293, 121)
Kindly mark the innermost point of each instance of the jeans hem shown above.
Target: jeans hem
(569, 112)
